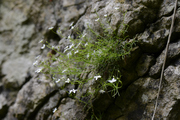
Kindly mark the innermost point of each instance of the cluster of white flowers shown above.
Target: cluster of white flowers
(68, 47)
(96, 77)
(72, 91)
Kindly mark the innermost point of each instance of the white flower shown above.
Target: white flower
(76, 51)
(72, 27)
(96, 77)
(112, 81)
(69, 54)
(105, 15)
(64, 70)
(86, 44)
(84, 35)
(72, 91)
(71, 24)
(50, 28)
(53, 47)
(57, 80)
(102, 91)
(69, 37)
(38, 70)
(72, 45)
(65, 49)
(41, 41)
(67, 81)
(35, 63)
(37, 57)
(55, 109)
(87, 55)
(116, 8)
(97, 20)
(43, 46)
(131, 40)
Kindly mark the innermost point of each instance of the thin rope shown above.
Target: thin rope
(167, 47)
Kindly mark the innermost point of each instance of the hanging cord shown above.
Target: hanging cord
(162, 71)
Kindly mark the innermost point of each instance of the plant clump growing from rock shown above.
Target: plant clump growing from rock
(87, 59)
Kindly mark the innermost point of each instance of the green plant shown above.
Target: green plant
(100, 56)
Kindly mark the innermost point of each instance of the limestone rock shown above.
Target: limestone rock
(69, 109)
(144, 64)
(25, 95)
(29, 100)
(3, 106)
(174, 52)
(18, 76)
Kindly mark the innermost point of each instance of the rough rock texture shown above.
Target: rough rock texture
(26, 95)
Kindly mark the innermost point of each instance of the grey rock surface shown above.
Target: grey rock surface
(173, 53)
(29, 95)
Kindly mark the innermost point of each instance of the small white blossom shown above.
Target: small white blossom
(69, 54)
(35, 63)
(84, 35)
(116, 8)
(86, 44)
(43, 46)
(87, 55)
(76, 51)
(53, 47)
(69, 37)
(72, 27)
(72, 45)
(97, 20)
(50, 28)
(112, 81)
(131, 40)
(67, 81)
(55, 109)
(59, 32)
(58, 80)
(64, 70)
(38, 70)
(78, 45)
(72, 24)
(72, 91)
(105, 15)
(65, 49)
(41, 41)
(37, 57)
(96, 77)
(102, 91)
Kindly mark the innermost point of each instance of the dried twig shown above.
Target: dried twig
(162, 71)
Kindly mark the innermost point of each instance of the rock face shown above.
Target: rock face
(26, 95)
